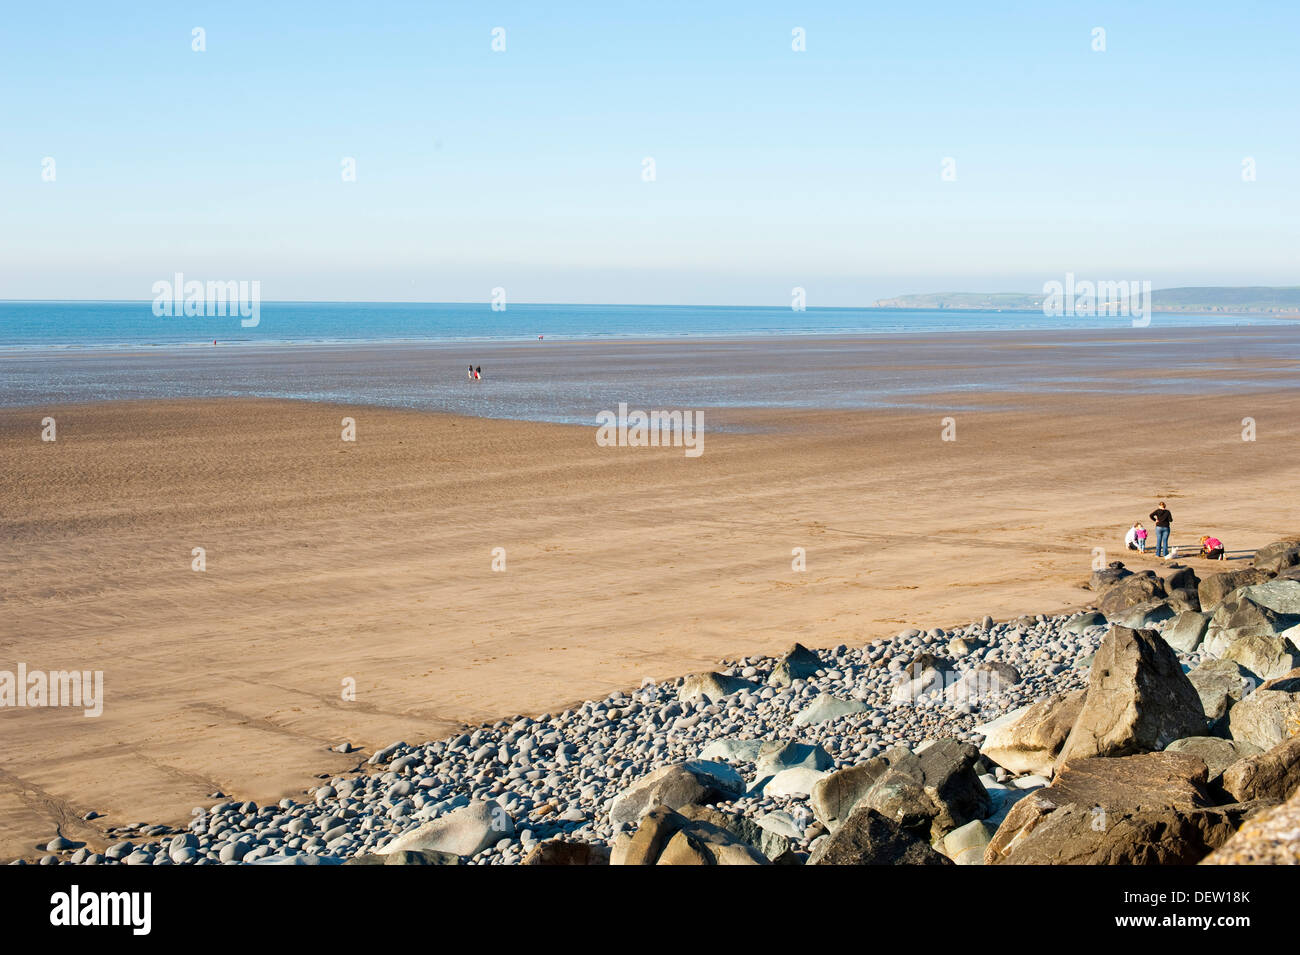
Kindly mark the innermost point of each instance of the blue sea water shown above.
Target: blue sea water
(45, 325)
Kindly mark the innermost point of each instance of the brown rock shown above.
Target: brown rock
(653, 831)
(868, 838)
(1129, 784)
(1077, 835)
(1139, 699)
(1031, 742)
(1271, 775)
(560, 852)
(1266, 838)
(1278, 556)
(1214, 588)
(1129, 592)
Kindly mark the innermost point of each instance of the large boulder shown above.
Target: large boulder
(1186, 631)
(1138, 700)
(775, 846)
(643, 847)
(836, 794)
(1180, 577)
(1077, 835)
(776, 756)
(799, 663)
(1270, 715)
(693, 782)
(1216, 752)
(1029, 739)
(1146, 614)
(1102, 580)
(1271, 775)
(1278, 556)
(665, 837)
(966, 844)
(932, 792)
(466, 831)
(712, 686)
(1266, 657)
(1266, 838)
(561, 852)
(1259, 626)
(405, 857)
(868, 838)
(981, 683)
(1107, 786)
(1184, 599)
(1214, 588)
(1220, 684)
(1080, 622)
(1129, 592)
(826, 707)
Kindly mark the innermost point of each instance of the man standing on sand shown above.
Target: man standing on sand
(1163, 519)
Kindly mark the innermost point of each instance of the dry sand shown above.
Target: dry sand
(372, 561)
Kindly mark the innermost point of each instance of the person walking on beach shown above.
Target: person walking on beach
(1163, 519)
(478, 372)
(470, 373)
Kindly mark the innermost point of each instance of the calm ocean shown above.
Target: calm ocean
(40, 325)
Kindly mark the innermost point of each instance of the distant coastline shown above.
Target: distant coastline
(1273, 301)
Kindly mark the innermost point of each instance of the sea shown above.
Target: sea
(89, 324)
(568, 363)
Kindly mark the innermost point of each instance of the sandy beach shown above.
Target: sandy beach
(329, 562)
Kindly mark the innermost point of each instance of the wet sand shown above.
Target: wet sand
(329, 562)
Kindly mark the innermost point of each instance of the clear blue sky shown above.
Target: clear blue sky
(523, 168)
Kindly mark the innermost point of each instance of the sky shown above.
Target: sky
(525, 168)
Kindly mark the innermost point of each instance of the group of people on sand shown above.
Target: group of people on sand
(1136, 538)
(475, 372)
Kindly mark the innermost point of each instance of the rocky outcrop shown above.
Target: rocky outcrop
(1138, 699)
(868, 838)
(1029, 739)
